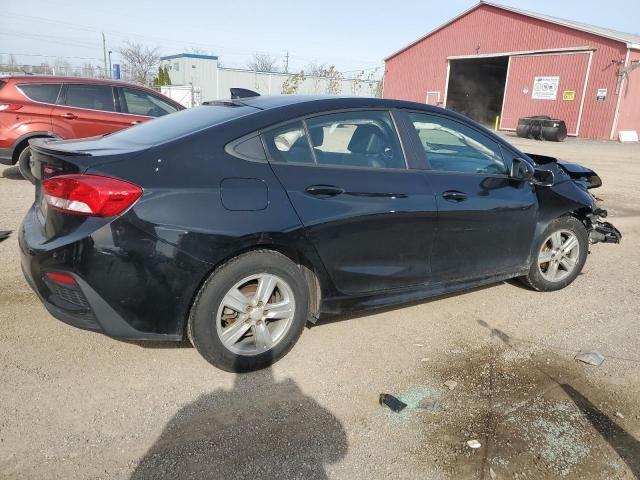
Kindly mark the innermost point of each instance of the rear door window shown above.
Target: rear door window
(288, 144)
(92, 97)
(365, 139)
(41, 92)
(137, 102)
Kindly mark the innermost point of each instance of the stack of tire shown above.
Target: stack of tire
(542, 127)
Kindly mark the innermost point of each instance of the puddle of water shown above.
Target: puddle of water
(536, 416)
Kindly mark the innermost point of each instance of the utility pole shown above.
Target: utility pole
(286, 62)
(104, 52)
(110, 70)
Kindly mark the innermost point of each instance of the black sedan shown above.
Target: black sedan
(236, 223)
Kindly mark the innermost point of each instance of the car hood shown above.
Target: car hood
(580, 174)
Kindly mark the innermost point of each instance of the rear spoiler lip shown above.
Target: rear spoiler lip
(40, 144)
(54, 146)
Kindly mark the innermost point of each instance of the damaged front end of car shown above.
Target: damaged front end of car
(603, 231)
(592, 214)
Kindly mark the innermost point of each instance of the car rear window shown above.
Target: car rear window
(179, 124)
(41, 92)
(2, 84)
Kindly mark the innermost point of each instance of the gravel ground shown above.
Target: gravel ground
(78, 405)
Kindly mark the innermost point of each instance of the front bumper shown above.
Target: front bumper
(6, 156)
(604, 232)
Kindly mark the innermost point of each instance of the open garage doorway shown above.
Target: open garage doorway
(476, 87)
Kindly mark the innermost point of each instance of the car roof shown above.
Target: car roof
(285, 107)
(324, 101)
(58, 79)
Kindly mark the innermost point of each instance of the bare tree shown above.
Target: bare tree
(263, 63)
(377, 88)
(334, 76)
(290, 85)
(61, 66)
(356, 83)
(13, 65)
(325, 74)
(141, 61)
(87, 70)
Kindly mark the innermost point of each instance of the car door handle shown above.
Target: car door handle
(69, 116)
(324, 191)
(454, 196)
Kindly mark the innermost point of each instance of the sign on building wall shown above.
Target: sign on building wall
(601, 94)
(569, 95)
(545, 88)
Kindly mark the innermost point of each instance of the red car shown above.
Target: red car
(69, 107)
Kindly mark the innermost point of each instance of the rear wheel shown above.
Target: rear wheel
(24, 164)
(560, 255)
(250, 312)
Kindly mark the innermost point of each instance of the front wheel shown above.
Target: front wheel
(560, 256)
(24, 164)
(250, 312)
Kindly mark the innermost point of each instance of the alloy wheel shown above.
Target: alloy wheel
(255, 314)
(559, 255)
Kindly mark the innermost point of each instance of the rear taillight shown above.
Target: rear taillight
(9, 107)
(63, 279)
(90, 195)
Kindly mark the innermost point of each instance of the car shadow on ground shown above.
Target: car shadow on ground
(324, 319)
(626, 446)
(261, 428)
(12, 173)
(151, 344)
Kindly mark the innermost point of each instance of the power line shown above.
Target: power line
(49, 56)
(172, 42)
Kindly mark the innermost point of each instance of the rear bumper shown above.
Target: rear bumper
(76, 317)
(80, 305)
(6, 156)
(96, 315)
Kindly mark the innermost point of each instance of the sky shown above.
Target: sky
(351, 34)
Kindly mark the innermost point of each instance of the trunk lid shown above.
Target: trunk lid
(51, 158)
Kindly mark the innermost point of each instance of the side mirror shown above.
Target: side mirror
(521, 170)
(543, 178)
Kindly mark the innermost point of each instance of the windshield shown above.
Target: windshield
(176, 125)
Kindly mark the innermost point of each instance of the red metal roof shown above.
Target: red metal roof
(631, 41)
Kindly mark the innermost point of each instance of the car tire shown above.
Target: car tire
(24, 164)
(559, 256)
(218, 314)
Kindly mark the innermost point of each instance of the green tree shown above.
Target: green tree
(162, 78)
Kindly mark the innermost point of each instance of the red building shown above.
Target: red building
(494, 60)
